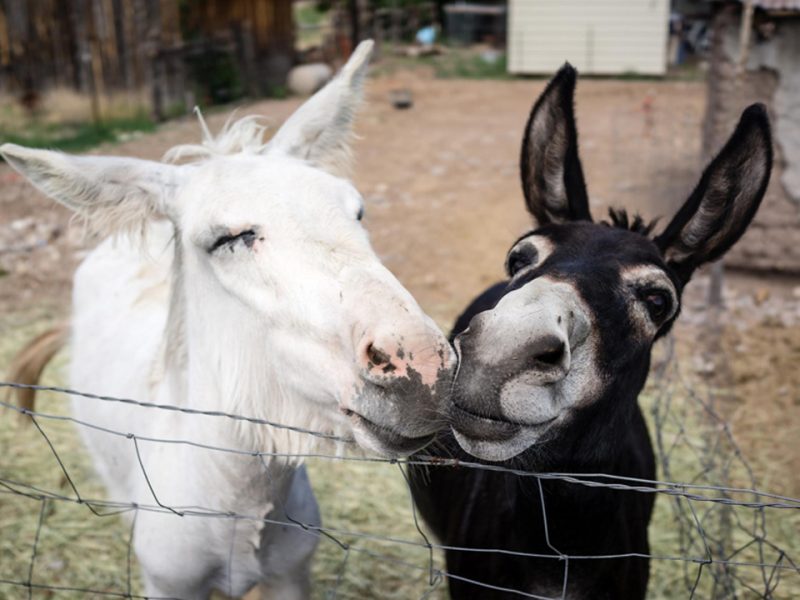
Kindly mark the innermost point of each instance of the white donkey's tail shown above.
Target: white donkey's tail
(28, 365)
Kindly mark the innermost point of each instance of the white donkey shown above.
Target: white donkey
(256, 293)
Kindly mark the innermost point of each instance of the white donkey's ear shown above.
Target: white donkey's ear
(111, 193)
(320, 130)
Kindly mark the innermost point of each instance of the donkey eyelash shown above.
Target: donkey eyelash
(657, 312)
(248, 237)
(521, 258)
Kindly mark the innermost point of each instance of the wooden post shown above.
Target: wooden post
(5, 49)
(744, 39)
(717, 283)
(248, 57)
(395, 20)
(725, 89)
(153, 58)
(363, 7)
(355, 24)
(96, 87)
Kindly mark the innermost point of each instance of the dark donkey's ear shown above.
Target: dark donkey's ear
(724, 202)
(552, 177)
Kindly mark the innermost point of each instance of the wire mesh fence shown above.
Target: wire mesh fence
(715, 533)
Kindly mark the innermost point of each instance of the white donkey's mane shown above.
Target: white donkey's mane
(240, 136)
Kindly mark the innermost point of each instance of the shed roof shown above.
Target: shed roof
(791, 5)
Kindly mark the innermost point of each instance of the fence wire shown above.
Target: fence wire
(712, 536)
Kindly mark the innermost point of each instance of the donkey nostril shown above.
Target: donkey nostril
(552, 357)
(548, 351)
(377, 357)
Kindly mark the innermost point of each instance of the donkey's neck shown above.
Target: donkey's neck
(224, 362)
(212, 363)
(599, 439)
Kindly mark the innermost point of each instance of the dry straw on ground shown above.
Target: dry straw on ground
(77, 549)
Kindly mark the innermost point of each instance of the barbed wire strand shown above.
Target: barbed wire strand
(561, 555)
(663, 407)
(175, 408)
(35, 546)
(204, 512)
(129, 555)
(418, 527)
(586, 479)
(677, 490)
(705, 562)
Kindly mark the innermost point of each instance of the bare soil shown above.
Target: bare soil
(443, 204)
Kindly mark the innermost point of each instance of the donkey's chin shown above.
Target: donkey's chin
(498, 450)
(491, 438)
(383, 439)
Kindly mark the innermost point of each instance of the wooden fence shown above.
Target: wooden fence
(163, 47)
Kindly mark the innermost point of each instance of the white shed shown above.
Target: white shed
(603, 37)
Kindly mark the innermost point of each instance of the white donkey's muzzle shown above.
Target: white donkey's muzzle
(405, 368)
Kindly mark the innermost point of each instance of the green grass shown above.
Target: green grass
(456, 63)
(76, 548)
(312, 20)
(309, 14)
(466, 65)
(76, 137)
(374, 499)
(699, 453)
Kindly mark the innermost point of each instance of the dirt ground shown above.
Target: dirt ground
(443, 203)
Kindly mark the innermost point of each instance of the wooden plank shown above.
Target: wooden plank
(5, 42)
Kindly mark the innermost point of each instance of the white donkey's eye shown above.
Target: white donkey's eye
(229, 240)
(360, 214)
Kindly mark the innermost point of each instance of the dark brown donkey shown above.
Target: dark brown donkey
(551, 363)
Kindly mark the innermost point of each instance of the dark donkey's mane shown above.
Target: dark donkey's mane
(619, 219)
(551, 364)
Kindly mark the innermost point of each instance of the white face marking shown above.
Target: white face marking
(536, 396)
(528, 253)
(497, 451)
(639, 279)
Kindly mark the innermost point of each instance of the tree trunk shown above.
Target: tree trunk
(724, 94)
(722, 98)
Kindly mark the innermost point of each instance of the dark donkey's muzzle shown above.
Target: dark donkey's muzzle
(514, 359)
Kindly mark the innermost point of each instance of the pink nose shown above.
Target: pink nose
(386, 359)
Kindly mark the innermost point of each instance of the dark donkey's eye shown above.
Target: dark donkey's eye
(658, 303)
(521, 257)
(248, 237)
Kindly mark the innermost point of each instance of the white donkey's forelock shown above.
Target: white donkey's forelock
(240, 136)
